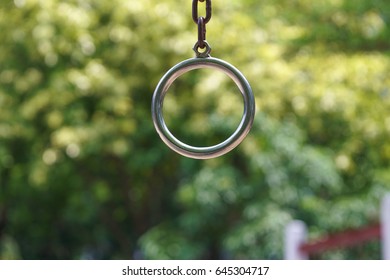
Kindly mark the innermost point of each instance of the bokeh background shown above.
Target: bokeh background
(84, 175)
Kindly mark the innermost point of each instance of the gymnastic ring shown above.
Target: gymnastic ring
(211, 151)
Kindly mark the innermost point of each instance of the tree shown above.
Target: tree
(83, 174)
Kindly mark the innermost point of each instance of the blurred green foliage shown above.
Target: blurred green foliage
(83, 174)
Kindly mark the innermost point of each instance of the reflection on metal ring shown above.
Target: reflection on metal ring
(211, 151)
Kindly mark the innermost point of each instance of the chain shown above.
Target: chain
(195, 16)
(201, 21)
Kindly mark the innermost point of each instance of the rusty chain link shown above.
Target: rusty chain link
(201, 21)
(195, 15)
(201, 32)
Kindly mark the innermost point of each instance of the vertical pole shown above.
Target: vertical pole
(385, 227)
(295, 237)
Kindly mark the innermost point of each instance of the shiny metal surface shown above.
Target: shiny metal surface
(211, 151)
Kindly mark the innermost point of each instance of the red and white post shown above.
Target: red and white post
(295, 236)
(385, 227)
(296, 246)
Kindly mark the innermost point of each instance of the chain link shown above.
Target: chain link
(201, 32)
(201, 21)
(195, 15)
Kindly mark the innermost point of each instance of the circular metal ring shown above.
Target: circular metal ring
(211, 151)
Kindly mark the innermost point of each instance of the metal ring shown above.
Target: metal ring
(211, 151)
(204, 54)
